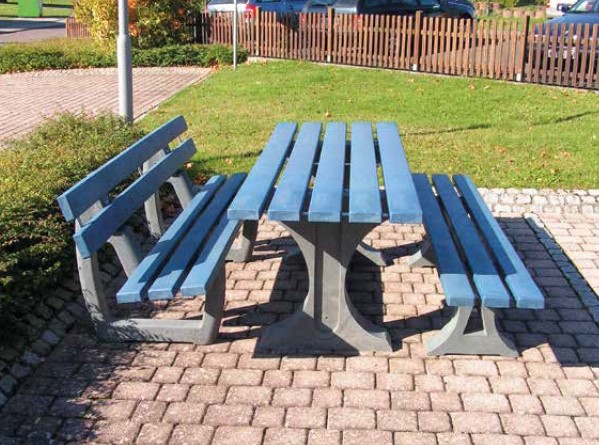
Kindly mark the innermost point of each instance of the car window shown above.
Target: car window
(225, 2)
(428, 3)
(585, 6)
(412, 4)
(268, 1)
(374, 3)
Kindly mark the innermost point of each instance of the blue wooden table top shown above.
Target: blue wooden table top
(305, 176)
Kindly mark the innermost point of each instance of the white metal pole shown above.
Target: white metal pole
(235, 17)
(125, 72)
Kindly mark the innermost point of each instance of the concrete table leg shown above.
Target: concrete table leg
(375, 255)
(328, 320)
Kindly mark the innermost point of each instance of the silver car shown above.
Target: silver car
(249, 6)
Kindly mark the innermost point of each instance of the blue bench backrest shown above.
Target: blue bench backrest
(97, 186)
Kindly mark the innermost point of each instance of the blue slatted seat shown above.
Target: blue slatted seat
(477, 265)
(191, 252)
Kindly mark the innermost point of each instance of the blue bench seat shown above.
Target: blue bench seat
(187, 259)
(477, 265)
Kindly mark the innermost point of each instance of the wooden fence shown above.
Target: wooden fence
(76, 30)
(507, 50)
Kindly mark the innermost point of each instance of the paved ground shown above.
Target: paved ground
(89, 392)
(579, 236)
(33, 96)
(29, 30)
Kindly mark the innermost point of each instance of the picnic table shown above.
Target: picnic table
(329, 198)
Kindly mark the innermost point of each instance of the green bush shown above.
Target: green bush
(32, 57)
(36, 248)
(152, 23)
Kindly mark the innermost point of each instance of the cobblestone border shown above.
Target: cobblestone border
(550, 201)
(48, 323)
(573, 276)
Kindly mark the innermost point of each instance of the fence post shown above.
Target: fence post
(257, 35)
(417, 33)
(523, 48)
(330, 20)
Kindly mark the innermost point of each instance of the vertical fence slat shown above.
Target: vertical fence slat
(568, 55)
(562, 55)
(594, 58)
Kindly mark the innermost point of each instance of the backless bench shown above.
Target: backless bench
(477, 265)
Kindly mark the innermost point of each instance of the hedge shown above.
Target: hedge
(33, 57)
(36, 248)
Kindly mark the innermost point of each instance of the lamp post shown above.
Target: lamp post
(235, 17)
(125, 72)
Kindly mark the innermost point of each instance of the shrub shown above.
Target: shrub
(62, 55)
(152, 23)
(36, 248)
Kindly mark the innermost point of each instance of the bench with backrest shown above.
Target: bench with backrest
(477, 264)
(188, 257)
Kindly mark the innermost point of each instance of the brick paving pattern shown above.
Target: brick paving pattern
(33, 96)
(226, 393)
(578, 236)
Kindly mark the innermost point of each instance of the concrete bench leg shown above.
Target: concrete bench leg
(140, 329)
(242, 252)
(424, 257)
(453, 339)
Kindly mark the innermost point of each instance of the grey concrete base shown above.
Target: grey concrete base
(242, 252)
(376, 256)
(328, 320)
(424, 257)
(453, 339)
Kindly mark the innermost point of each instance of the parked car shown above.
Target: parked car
(581, 13)
(318, 6)
(249, 6)
(442, 8)
(556, 7)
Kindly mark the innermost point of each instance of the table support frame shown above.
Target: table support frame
(328, 320)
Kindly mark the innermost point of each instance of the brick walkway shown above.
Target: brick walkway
(33, 96)
(578, 236)
(224, 394)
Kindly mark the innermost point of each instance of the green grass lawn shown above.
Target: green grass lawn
(50, 8)
(502, 134)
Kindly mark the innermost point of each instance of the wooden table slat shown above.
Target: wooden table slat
(364, 193)
(288, 200)
(254, 193)
(402, 199)
(327, 194)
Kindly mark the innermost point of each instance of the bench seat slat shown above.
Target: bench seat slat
(205, 270)
(173, 273)
(402, 200)
(106, 222)
(98, 184)
(523, 288)
(364, 195)
(327, 193)
(452, 273)
(288, 200)
(136, 286)
(484, 274)
(253, 195)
